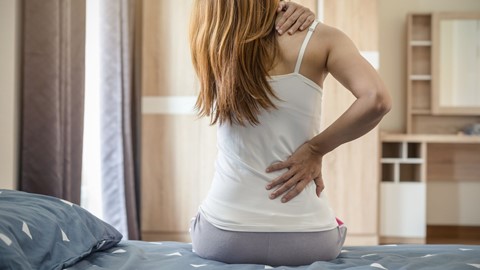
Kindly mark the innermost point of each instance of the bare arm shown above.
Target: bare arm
(373, 101)
(346, 64)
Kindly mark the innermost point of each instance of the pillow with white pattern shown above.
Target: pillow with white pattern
(43, 232)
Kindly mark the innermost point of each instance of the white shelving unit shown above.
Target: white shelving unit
(403, 192)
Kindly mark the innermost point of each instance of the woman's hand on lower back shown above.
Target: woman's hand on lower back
(304, 165)
(294, 18)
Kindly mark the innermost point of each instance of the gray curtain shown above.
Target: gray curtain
(52, 83)
(119, 117)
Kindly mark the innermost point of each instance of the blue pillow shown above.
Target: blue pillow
(43, 232)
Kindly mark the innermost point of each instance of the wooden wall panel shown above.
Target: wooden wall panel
(167, 68)
(177, 153)
(351, 171)
(178, 150)
(357, 18)
(453, 162)
(311, 4)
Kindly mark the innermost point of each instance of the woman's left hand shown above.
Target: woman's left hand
(296, 17)
(304, 165)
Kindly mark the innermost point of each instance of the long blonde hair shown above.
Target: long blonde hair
(233, 47)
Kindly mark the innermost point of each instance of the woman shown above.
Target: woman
(264, 92)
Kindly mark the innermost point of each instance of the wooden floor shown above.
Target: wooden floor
(462, 235)
(467, 235)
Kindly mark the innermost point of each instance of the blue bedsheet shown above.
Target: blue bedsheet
(179, 256)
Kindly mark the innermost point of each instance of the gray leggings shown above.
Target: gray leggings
(269, 248)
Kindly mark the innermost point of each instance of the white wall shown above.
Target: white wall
(393, 48)
(9, 49)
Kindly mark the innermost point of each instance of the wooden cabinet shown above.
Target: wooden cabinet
(419, 54)
(402, 190)
(413, 168)
(418, 167)
(422, 67)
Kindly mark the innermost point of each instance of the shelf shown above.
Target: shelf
(401, 173)
(421, 60)
(425, 77)
(402, 160)
(421, 25)
(421, 96)
(430, 138)
(410, 172)
(420, 43)
(421, 111)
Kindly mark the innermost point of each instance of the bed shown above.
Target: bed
(42, 232)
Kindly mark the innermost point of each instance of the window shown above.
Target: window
(91, 170)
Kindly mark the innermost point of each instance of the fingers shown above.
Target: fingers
(299, 187)
(308, 21)
(320, 185)
(301, 15)
(285, 187)
(278, 166)
(295, 186)
(281, 6)
(304, 21)
(296, 17)
(286, 21)
(280, 180)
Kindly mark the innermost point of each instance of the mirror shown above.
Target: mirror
(457, 53)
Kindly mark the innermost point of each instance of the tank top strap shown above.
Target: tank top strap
(304, 46)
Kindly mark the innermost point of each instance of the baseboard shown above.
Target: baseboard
(166, 236)
(452, 234)
(387, 240)
(361, 240)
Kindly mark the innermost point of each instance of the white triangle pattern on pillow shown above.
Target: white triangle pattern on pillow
(5, 239)
(377, 265)
(64, 236)
(26, 230)
(174, 254)
(66, 202)
(198, 265)
(120, 250)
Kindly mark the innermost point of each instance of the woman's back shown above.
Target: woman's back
(238, 200)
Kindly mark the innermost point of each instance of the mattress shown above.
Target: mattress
(178, 256)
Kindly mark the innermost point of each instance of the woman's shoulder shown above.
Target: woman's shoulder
(323, 39)
(327, 33)
(323, 36)
(329, 36)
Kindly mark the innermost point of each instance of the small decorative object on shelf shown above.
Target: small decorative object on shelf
(473, 129)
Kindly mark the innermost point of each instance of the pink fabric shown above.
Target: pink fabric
(340, 223)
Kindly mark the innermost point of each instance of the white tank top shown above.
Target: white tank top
(238, 200)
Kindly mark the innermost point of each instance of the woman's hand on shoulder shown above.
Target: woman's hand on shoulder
(304, 165)
(294, 18)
